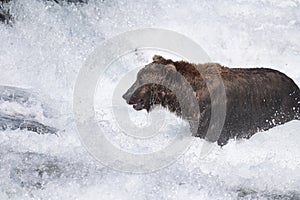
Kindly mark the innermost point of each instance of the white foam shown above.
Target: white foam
(48, 44)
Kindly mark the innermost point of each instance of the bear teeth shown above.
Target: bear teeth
(139, 105)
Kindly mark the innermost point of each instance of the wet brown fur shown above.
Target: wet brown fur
(257, 98)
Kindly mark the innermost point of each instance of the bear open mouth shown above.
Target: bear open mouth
(138, 104)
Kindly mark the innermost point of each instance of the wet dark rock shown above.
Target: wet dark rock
(35, 171)
(69, 1)
(246, 193)
(14, 120)
(17, 122)
(7, 17)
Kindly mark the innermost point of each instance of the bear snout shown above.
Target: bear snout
(131, 98)
(126, 97)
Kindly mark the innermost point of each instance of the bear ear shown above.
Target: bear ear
(161, 60)
(171, 66)
(158, 59)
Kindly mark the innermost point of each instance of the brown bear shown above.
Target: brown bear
(257, 99)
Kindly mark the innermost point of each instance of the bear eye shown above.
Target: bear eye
(140, 78)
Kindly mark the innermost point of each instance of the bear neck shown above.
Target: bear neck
(170, 102)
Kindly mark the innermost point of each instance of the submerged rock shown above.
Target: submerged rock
(17, 122)
(12, 118)
(6, 16)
